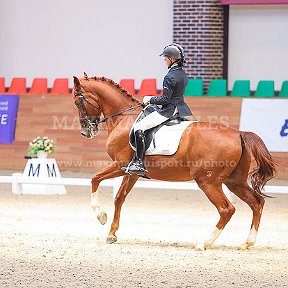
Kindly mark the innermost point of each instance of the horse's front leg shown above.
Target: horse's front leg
(126, 186)
(112, 171)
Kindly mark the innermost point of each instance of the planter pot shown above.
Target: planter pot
(42, 154)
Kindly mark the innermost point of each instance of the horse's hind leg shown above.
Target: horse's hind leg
(256, 203)
(237, 183)
(225, 208)
(126, 186)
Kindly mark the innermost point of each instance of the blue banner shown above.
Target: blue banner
(8, 117)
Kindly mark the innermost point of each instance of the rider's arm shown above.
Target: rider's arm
(168, 87)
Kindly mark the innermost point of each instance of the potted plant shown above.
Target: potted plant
(41, 147)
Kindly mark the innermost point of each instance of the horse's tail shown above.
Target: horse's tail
(266, 166)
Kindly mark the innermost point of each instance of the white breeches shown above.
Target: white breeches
(149, 121)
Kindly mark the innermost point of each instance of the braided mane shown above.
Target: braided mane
(119, 87)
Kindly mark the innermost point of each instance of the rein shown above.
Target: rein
(120, 113)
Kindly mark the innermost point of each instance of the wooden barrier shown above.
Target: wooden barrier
(56, 116)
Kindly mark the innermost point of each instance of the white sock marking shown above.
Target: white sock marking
(252, 235)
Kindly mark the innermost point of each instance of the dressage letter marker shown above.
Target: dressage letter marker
(42, 168)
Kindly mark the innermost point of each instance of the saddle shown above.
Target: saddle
(170, 126)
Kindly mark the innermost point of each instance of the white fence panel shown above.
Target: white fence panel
(17, 180)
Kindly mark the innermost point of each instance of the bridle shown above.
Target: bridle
(91, 122)
(86, 121)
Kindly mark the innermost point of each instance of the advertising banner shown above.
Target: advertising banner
(247, 2)
(8, 117)
(269, 119)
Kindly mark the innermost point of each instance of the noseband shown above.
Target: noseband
(92, 122)
(89, 122)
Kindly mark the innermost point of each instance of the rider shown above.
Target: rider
(172, 102)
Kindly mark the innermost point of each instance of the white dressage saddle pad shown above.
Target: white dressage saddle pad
(167, 139)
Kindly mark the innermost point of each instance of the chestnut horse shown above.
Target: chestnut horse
(209, 153)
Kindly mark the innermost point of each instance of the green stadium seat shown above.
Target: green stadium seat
(217, 87)
(194, 87)
(265, 88)
(241, 88)
(284, 89)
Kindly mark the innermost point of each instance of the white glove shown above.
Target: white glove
(146, 99)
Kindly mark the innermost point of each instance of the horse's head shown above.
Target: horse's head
(88, 108)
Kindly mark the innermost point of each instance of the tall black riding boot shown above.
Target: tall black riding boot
(136, 166)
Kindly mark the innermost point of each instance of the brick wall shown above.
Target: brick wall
(199, 28)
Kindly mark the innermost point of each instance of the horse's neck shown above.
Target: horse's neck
(113, 101)
(113, 105)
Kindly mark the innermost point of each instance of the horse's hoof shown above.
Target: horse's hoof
(102, 217)
(245, 246)
(200, 247)
(111, 239)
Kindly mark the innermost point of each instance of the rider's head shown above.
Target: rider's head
(173, 53)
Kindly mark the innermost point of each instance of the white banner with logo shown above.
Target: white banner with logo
(269, 119)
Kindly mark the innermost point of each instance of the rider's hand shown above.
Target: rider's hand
(146, 99)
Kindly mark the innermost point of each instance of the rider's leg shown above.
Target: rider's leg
(150, 121)
(136, 166)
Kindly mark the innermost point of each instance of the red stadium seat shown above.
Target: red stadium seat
(129, 85)
(148, 87)
(2, 85)
(60, 86)
(39, 86)
(18, 86)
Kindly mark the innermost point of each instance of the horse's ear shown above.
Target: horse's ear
(85, 76)
(76, 82)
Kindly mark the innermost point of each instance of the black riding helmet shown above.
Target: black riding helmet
(175, 51)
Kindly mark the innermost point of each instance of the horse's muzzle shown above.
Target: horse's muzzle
(89, 132)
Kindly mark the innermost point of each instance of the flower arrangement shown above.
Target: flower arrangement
(41, 144)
